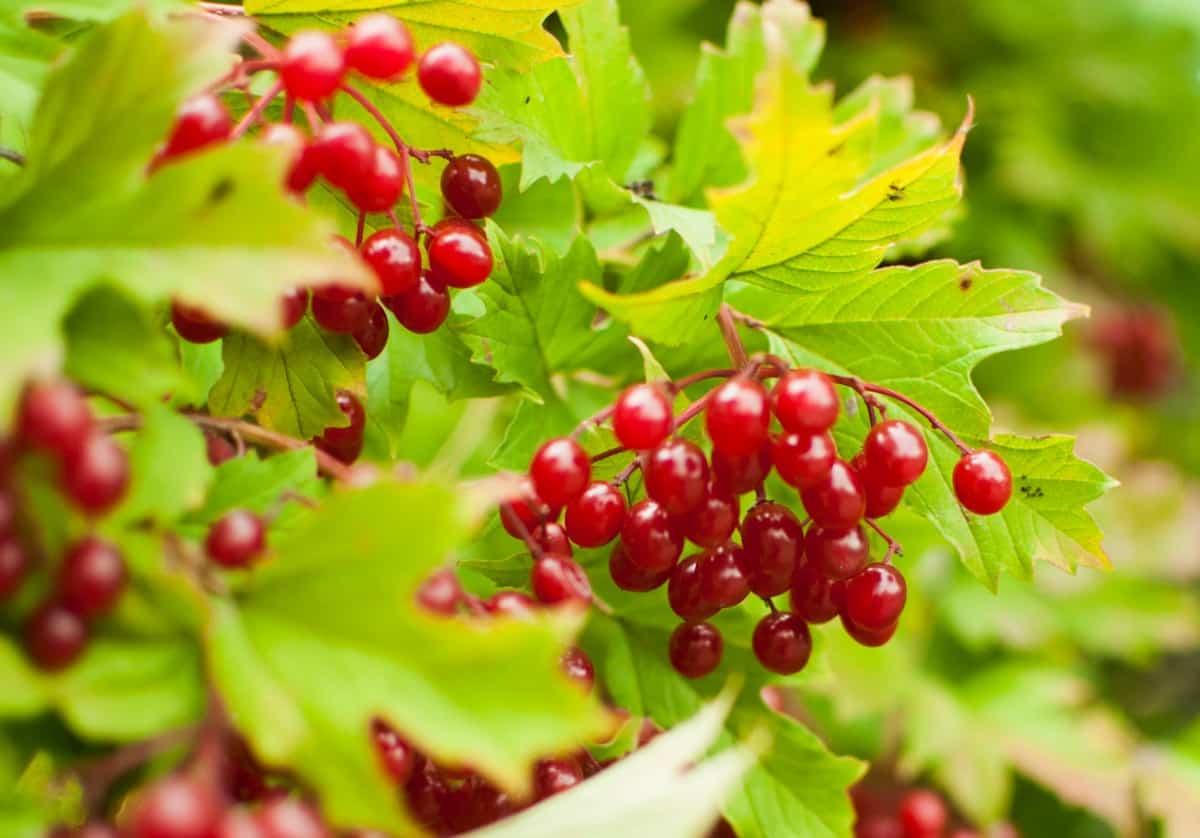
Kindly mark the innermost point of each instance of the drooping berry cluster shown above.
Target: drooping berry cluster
(887, 811)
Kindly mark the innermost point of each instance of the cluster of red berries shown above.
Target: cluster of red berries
(690, 498)
(54, 420)
(911, 813)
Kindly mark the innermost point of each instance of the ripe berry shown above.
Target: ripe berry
(982, 482)
(293, 305)
(95, 475)
(713, 521)
(838, 501)
(595, 517)
(523, 514)
(839, 554)
(813, 594)
(552, 538)
(652, 539)
(372, 337)
(395, 258)
(92, 577)
(874, 598)
(340, 309)
(450, 75)
(459, 253)
(345, 443)
(236, 539)
(343, 152)
(878, 826)
(200, 121)
(685, 592)
(55, 636)
(881, 499)
(551, 776)
(14, 564)
(740, 475)
(782, 642)
(379, 46)
(922, 814)
(772, 544)
(8, 513)
(382, 183)
(194, 325)
(722, 576)
(695, 649)
(803, 460)
(737, 417)
(175, 807)
(397, 755)
(441, 593)
(578, 667)
(53, 417)
(805, 402)
(312, 66)
(237, 823)
(677, 476)
(895, 453)
(287, 817)
(558, 579)
(631, 577)
(865, 636)
(560, 471)
(515, 604)
(422, 308)
(642, 417)
(471, 186)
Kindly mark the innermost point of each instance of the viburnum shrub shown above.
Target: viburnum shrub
(373, 464)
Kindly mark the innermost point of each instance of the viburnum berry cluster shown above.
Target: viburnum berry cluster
(890, 811)
(694, 497)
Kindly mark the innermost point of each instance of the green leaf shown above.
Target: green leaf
(258, 484)
(291, 386)
(169, 468)
(23, 694)
(25, 57)
(303, 673)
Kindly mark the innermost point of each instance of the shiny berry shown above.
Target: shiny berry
(713, 521)
(803, 460)
(551, 776)
(677, 476)
(838, 501)
(340, 309)
(982, 482)
(301, 165)
(95, 475)
(372, 337)
(345, 443)
(312, 66)
(194, 325)
(922, 814)
(552, 538)
(395, 258)
(471, 186)
(422, 308)
(344, 153)
(175, 807)
(524, 513)
(560, 471)
(782, 642)
(631, 577)
(55, 636)
(397, 756)
(772, 545)
(695, 649)
(293, 305)
(839, 554)
(382, 183)
(595, 517)
(515, 604)
(881, 499)
(642, 417)
(379, 46)
(53, 417)
(865, 636)
(559, 579)
(737, 417)
(685, 592)
(740, 475)
(874, 598)
(201, 121)
(237, 823)
(14, 565)
(813, 594)
(236, 539)
(92, 577)
(441, 592)
(450, 75)
(805, 402)
(651, 538)
(722, 576)
(287, 817)
(895, 453)
(459, 254)
(578, 667)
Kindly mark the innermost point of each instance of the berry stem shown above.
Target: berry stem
(595, 420)
(12, 156)
(406, 153)
(733, 341)
(894, 548)
(255, 112)
(362, 226)
(770, 603)
(222, 9)
(864, 388)
(624, 474)
(96, 776)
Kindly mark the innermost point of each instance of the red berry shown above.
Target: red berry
(515, 604)
(865, 636)
(238, 823)
(379, 46)
(813, 594)
(740, 475)
(552, 538)
(839, 554)
(773, 544)
(578, 667)
(459, 253)
(782, 642)
(344, 153)
(92, 577)
(695, 649)
(471, 186)
(982, 482)
(441, 593)
(53, 417)
(345, 443)
(523, 514)
(595, 517)
(677, 476)
(874, 598)
(340, 309)
(55, 636)
(287, 817)
(722, 576)
(922, 814)
(301, 168)
(372, 337)
(685, 592)
(395, 258)
(200, 121)
(557, 579)
(803, 460)
(312, 66)
(96, 474)
(551, 776)
(651, 537)
(14, 564)
(737, 417)
(713, 521)
(293, 304)
(895, 453)
(8, 513)
(838, 501)
(422, 308)
(175, 807)
(805, 402)
(881, 499)
(381, 185)
(450, 75)
(631, 577)
(878, 826)
(397, 756)
(236, 539)
(194, 325)
(560, 471)
(642, 417)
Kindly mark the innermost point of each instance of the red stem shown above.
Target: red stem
(255, 112)
(402, 147)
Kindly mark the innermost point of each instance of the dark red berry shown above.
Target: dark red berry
(293, 304)
(450, 75)
(651, 538)
(865, 636)
(677, 476)
(194, 325)
(813, 594)
(922, 814)
(397, 756)
(805, 402)
(551, 776)
(345, 443)
(175, 807)
(595, 517)
(55, 636)
(713, 521)
(631, 577)
(740, 475)
(341, 309)
(895, 453)
(577, 666)
(312, 66)
(344, 153)
(782, 642)
(287, 817)
(8, 513)
(560, 471)
(839, 554)
(441, 592)
(722, 576)
(695, 649)
(92, 577)
(737, 417)
(881, 499)
(471, 186)
(526, 512)
(515, 604)
(878, 826)
(53, 417)
(395, 258)
(838, 501)
(772, 546)
(874, 598)
(552, 538)
(422, 308)
(685, 591)
(95, 475)
(459, 254)
(379, 46)
(200, 121)
(14, 564)
(372, 337)
(642, 417)
(803, 460)
(559, 579)
(381, 185)
(982, 482)
(236, 539)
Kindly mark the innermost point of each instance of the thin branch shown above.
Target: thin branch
(894, 548)
(12, 155)
(255, 112)
(863, 388)
(96, 776)
(733, 341)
